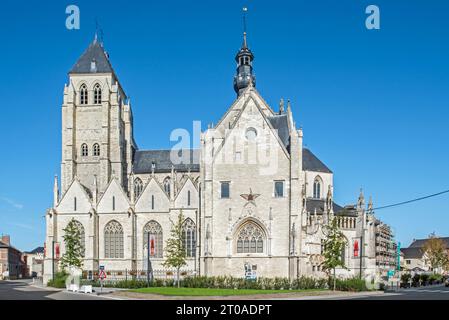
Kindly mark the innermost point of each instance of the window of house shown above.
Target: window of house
(225, 190)
(279, 189)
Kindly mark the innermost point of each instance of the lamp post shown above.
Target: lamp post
(53, 260)
(361, 255)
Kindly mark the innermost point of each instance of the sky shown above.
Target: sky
(374, 104)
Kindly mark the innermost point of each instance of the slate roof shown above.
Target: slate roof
(420, 243)
(280, 123)
(37, 250)
(318, 204)
(95, 52)
(162, 159)
(412, 253)
(311, 163)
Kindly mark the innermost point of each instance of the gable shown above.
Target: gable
(161, 201)
(250, 117)
(75, 200)
(113, 200)
(182, 199)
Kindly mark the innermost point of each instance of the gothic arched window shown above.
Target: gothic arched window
(96, 150)
(189, 238)
(250, 239)
(154, 230)
(167, 185)
(84, 95)
(79, 227)
(317, 188)
(113, 240)
(97, 94)
(138, 188)
(84, 150)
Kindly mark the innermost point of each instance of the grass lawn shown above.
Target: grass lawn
(172, 291)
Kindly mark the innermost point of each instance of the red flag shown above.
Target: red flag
(356, 248)
(152, 246)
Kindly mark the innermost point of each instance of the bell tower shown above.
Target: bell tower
(244, 58)
(97, 134)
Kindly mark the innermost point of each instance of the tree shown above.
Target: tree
(73, 256)
(334, 244)
(435, 251)
(175, 250)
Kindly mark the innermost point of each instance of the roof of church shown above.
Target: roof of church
(143, 161)
(94, 53)
(318, 204)
(420, 242)
(311, 163)
(280, 123)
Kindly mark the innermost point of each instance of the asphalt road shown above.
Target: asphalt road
(423, 293)
(22, 290)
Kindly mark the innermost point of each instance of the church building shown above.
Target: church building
(255, 200)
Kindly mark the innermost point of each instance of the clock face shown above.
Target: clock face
(251, 134)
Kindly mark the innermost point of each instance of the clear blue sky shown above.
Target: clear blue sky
(374, 105)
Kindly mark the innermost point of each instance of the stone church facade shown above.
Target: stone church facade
(254, 199)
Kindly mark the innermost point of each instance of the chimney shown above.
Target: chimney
(6, 240)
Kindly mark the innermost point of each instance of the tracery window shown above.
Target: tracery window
(113, 240)
(154, 230)
(83, 95)
(97, 94)
(189, 238)
(167, 185)
(317, 188)
(250, 239)
(138, 188)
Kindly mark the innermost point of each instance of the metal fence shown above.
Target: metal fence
(139, 275)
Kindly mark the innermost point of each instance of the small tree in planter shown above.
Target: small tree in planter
(334, 245)
(176, 253)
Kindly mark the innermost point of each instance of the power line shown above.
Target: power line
(413, 200)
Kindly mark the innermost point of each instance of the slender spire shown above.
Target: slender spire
(244, 76)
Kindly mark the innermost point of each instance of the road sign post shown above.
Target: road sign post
(102, 276)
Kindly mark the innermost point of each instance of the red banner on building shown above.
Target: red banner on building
(356, 248)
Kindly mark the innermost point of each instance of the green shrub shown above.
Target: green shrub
(352, 284)
(405, 278)
(59, 280)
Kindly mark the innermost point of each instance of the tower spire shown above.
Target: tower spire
(244, 76)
